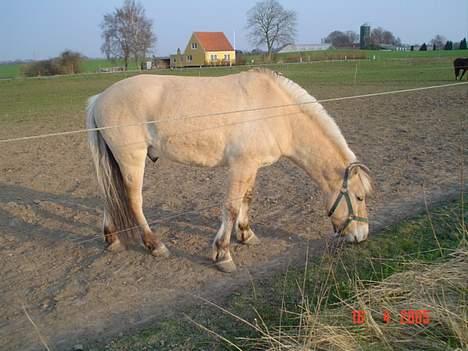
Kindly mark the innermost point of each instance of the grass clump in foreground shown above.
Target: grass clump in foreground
(418, 264)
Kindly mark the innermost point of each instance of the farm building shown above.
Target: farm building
(303, 47)
(364, 37)
(161, 62)
(205, 49)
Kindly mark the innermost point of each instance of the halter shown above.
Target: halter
(344, 192)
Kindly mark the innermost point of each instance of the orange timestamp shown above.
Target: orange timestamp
(406, 317)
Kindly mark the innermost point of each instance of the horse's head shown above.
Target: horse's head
(347, 205)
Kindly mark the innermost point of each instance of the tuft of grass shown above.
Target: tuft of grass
(439, 288)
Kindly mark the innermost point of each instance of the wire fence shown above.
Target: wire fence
(225, 113)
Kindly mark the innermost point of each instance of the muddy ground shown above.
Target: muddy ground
(53, 266)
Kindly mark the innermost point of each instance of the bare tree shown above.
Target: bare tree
(127, 32)
(341, 39)
(353, 36)
(438, 42)
(383, 36)
(271, 25)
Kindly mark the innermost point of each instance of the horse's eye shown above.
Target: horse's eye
(360, 198)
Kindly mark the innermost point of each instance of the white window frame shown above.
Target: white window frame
(194, 45)
(189, 58)
(214, 58)
(227, 57)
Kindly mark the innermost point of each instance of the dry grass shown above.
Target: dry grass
(440, 288)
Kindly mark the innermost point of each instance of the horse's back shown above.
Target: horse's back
(461, 62)
(196, 120)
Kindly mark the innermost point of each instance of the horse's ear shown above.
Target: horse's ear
(363, 172)
(364, 168)
(356, 166)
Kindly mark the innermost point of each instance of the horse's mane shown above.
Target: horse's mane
(309, 105)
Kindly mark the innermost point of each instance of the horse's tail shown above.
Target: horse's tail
(110, 179)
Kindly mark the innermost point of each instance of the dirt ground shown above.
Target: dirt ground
(55, 270)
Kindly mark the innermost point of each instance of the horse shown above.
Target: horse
(460, 64)
(242, 121)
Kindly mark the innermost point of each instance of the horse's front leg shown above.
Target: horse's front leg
(244, 232)
(241, 179)
(463, 73)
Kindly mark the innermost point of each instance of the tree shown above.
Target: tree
(382, 36)
(70, 61)
(353, 36)
(127, 32)
(448, 45)
(341, 39)
(423, 47)
(463, 44)
(438, 41)
(270, 24)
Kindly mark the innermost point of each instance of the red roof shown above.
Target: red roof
(214, 41)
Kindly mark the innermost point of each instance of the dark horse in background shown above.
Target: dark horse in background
(460, 65)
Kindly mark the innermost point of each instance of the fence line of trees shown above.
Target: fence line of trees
(439, 42)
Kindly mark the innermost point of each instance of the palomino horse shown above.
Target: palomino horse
(242, 121)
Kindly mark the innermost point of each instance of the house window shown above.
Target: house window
(227, 57)
(214, 58)
(194, 45)
(189, 58)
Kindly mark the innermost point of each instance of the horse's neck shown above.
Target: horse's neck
(321, 157)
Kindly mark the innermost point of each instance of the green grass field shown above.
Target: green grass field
(93, 65)
(10, 70)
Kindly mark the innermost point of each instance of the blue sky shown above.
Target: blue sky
(43, 28)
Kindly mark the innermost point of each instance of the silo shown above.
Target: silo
(364, 38)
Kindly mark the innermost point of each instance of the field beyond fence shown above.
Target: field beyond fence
(14, 70)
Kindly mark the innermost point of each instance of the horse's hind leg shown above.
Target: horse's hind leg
(240, 179)
(110, 235)
(133, 177)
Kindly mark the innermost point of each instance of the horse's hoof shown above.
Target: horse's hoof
(116, 246)
(161, 251)
(251, 240)
(226, 266)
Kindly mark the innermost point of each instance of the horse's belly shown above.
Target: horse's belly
(204, 152)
